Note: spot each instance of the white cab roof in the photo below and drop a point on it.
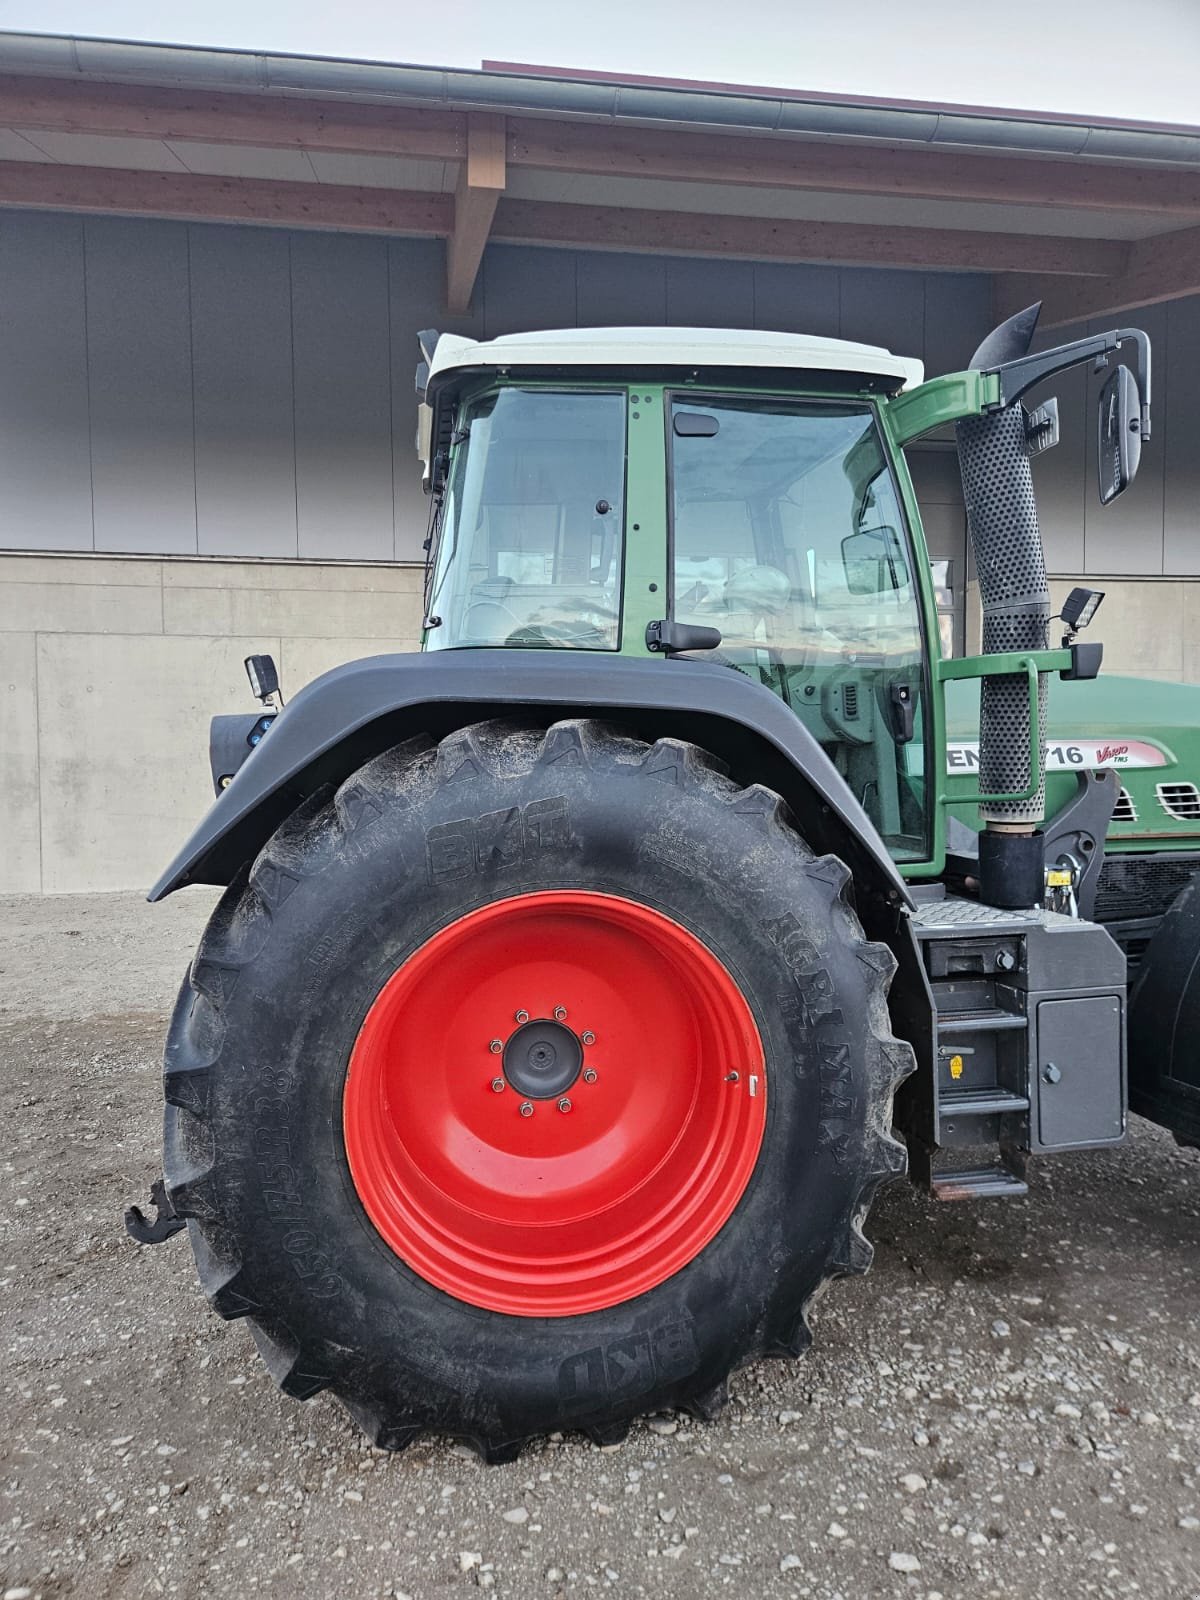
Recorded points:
(672, 347)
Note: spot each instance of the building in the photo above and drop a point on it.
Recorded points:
(212, 269)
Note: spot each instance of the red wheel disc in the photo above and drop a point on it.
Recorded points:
(534, 1198)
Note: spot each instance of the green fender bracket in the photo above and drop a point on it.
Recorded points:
(1029, 664)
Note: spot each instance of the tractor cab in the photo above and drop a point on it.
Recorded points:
(741, 494)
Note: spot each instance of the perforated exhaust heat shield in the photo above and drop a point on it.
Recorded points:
(993, 456)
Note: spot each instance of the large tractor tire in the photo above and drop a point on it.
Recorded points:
(533, 1080)
(1164, 1023)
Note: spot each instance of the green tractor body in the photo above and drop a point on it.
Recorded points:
(587, 972)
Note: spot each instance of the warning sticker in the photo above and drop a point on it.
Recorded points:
(962, 755)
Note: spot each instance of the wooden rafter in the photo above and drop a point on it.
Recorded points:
(1165, 267)
(772, 239)
(189, 196)
(820, 165)
(481, 181)
(270, 122)
(371, 210)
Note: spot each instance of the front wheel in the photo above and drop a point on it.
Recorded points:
(534, 1080)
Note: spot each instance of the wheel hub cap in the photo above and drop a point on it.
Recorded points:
(543, 1059)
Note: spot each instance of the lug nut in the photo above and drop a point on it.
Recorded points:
(590, 1075)
(560, 1013)
(522, 1016)
(526, 1108)
(588, 1036)
(496, 1046)
(564, 1104)
(497, 1085)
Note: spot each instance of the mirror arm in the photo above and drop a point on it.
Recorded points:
(1016, 378)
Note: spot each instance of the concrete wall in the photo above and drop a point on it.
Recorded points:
(1150, 627)
(109, 672)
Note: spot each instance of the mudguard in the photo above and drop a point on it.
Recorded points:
(351, 714)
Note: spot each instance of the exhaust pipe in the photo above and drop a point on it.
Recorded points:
(994, 460)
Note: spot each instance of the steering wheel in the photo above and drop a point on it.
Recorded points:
(563, 633)
(498, 612)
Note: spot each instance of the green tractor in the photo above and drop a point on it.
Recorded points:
(579, 979)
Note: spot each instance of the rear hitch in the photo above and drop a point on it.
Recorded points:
(165, 1222)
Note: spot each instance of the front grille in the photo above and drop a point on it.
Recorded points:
(1141, 886)
(1124, 810)
(1180, 800)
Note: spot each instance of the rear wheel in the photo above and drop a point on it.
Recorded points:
(534, 1080)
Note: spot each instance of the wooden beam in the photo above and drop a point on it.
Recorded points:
(548, 222)
(270, 121)
(192, 197)
(1165, 267)
(293, 122)
(824, 166)
(481, 181)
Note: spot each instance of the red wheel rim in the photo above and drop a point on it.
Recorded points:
(595, 1192)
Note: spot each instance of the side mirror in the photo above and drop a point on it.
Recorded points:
(873, 560)
(1120, 434)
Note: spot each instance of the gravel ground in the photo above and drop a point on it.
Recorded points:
(1008, 1406)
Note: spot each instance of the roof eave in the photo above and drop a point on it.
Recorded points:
(584, 97)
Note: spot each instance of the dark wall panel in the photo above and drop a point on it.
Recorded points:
(709, 294)
(789, 299)
(525, 288)
(1175, 409)
(620, 291)
(140, 386)
(242, 375)
(1058, 475)
(343, 402)
(1126, 537)
(45, 450)
(886, 308)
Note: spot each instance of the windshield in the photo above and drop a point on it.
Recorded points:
(530, 546)
(788, 536)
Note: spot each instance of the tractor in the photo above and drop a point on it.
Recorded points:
(579, 978)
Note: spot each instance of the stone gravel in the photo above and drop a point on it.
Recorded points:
(1008, 1406)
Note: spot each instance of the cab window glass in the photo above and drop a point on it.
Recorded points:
(789, 537)
(531, 545)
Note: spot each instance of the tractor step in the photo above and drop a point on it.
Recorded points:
(990, 1020)
(978, 1183)
(982, 1103)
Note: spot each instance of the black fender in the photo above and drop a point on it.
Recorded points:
(355, 712)
(1164, 1022)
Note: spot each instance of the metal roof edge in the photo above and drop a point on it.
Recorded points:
(577, 95)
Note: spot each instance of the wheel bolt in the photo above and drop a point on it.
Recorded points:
(564, 1104)
(588, 1036)
(497, 1085)
(590, 1075)
(522, 1016)
(560, 1013)
(526, 1108)
(496, 1046)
